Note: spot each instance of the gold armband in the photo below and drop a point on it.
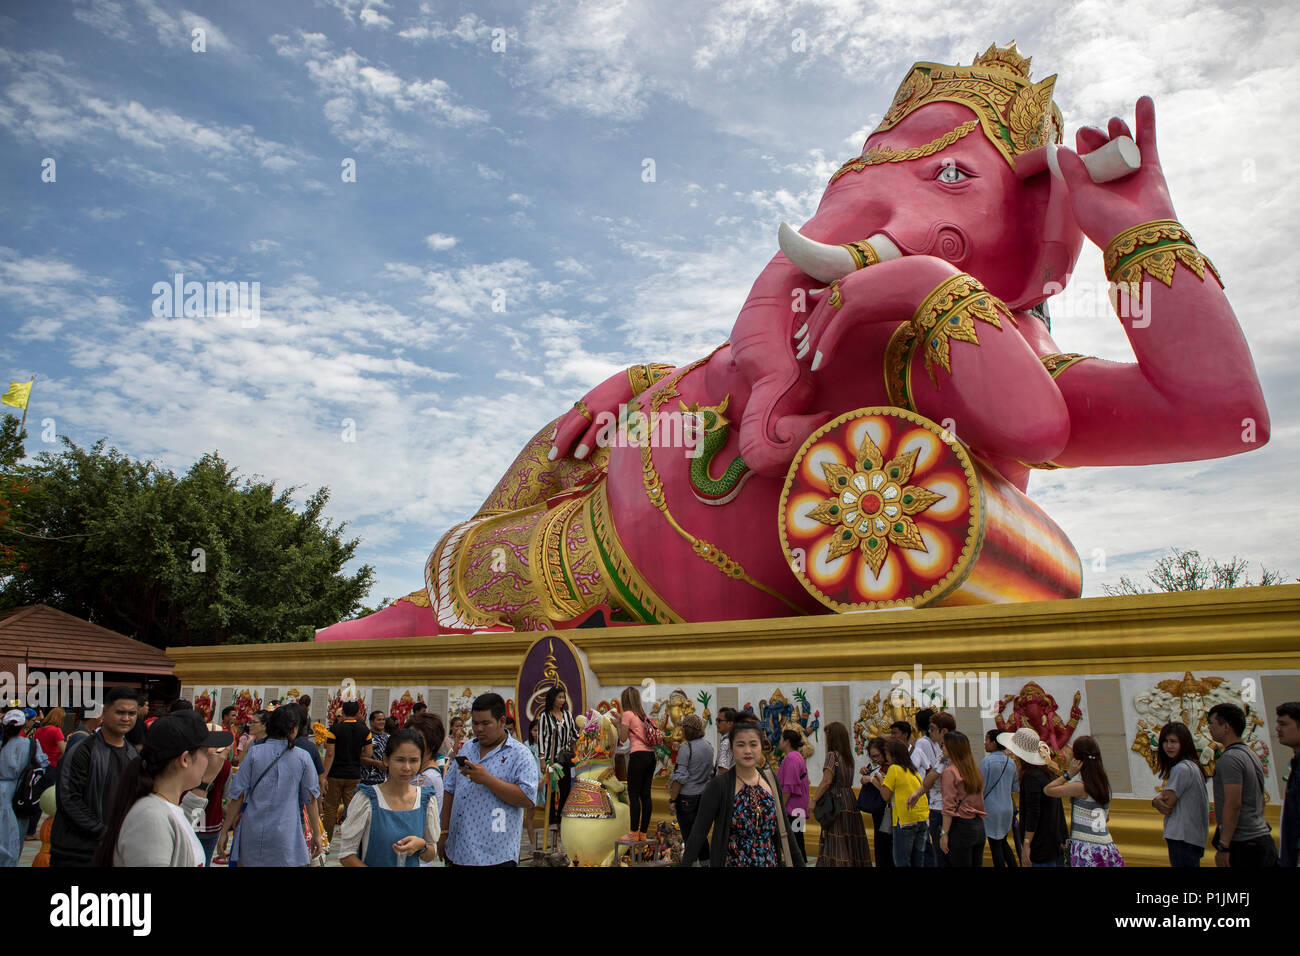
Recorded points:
(862, 253)
(949, 312)
(1058, 362)
(641, 377)
(1154, 248)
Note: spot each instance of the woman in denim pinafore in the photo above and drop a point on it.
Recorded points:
(394, 823)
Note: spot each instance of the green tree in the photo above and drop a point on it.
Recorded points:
(12, 487)
(200, 558)
(1188, 571)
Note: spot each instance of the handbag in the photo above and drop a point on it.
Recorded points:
(869, 800)
(831, 803)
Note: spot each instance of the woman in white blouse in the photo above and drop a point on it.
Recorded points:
(395, 823)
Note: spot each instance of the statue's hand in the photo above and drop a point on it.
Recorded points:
(889, 292)
(1103, 210)
(575, 427)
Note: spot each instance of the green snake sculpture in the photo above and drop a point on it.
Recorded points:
(716, 427)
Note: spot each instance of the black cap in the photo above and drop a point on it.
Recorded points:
(174, 734)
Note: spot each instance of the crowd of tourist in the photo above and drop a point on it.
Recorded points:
(173, 790)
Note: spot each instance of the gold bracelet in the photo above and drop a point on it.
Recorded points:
(1154, 248)
(1058, 362)
(949, 312)
(862, 253)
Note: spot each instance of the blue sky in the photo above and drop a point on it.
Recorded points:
(519, 169)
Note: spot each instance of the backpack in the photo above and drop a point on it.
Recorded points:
(33, 782)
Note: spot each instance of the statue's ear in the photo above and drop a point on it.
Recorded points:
(1058, 251)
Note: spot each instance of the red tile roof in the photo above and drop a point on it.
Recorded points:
(47, 639)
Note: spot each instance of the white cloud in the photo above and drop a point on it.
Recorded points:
(100, 214)
(365, 101)
(53, 106)
(439, 242)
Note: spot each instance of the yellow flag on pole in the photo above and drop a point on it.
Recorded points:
(18, 394)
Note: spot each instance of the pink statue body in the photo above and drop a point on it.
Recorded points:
(890, 347)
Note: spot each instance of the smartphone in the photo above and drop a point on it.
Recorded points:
(461, 761)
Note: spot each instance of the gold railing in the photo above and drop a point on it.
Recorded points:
(1240, 628)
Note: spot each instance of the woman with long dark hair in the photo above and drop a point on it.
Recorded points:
(633, 725)
(1088, 788)
(909, 824)
(741, 811)
(557, 734)
(151, 821)
(962, 785)
(394, 823)
(844, 842)
(1184, 800)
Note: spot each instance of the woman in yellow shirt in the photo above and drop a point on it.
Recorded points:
(910, 824)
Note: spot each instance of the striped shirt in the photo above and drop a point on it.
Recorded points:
(1088, 820)
(555, 736)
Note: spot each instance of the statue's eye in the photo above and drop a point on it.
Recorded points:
(952, 174)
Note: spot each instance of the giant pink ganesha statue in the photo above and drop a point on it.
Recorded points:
(869, 444)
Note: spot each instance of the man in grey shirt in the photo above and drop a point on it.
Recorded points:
(1244, 838)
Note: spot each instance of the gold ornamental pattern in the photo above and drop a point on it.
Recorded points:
(1155, 249)
(1016, 114)
(949, 313)
(883, 154)
(872, 505)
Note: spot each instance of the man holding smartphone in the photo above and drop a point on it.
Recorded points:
(492, 781)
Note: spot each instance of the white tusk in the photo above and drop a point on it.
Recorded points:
(827, 263)
(884, 247)
(824, 263)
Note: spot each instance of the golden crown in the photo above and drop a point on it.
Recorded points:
(1016, 114)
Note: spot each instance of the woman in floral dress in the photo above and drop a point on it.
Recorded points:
(741, 812)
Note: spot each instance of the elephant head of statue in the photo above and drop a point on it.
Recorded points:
(957, 171)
